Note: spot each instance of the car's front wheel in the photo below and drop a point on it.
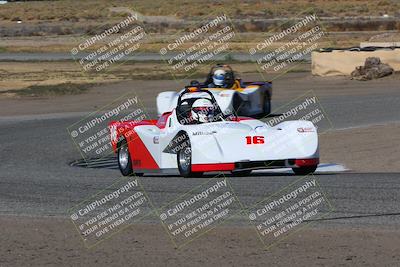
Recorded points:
(304, 170)
(124, 159)
(184, 160)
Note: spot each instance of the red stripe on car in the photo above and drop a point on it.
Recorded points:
(213, 167)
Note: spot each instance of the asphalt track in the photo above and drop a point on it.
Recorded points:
(7, 56)
(36, 178)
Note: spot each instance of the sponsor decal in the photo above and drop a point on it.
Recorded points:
(305, 130)
(204, 133)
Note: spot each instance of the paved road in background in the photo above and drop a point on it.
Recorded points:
(8, 56)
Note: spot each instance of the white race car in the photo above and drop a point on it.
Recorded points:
(178, 142)
(245, 98)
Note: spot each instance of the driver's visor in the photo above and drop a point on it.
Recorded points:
(219, 76)
(202, 108)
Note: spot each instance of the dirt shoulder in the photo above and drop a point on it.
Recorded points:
(367, 149)
(52, 241)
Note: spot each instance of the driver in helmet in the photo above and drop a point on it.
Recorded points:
(218, 79)
(223, 78)
(202, 111)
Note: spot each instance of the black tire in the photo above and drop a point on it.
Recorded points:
(304, 170)
(124, 159)
(267, 104)
(184, 161)
(241, 173)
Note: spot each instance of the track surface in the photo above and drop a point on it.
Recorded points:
(35, 178)
(238, 56)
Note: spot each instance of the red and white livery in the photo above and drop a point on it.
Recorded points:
(178, 143)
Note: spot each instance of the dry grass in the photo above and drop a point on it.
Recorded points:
(45, 23)
(20, 75)
(70, 10)
(242, 43)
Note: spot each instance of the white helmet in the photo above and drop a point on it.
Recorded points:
(202, 110)
(219, 77)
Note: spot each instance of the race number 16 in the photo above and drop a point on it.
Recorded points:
(253, 140)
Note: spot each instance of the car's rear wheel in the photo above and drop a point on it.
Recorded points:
(124, 159)
(184, 160)
(304, 170)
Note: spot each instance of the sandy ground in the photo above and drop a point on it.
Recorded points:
(367, 149)
(30, 241)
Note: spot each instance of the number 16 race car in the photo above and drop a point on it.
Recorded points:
(197, 137)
